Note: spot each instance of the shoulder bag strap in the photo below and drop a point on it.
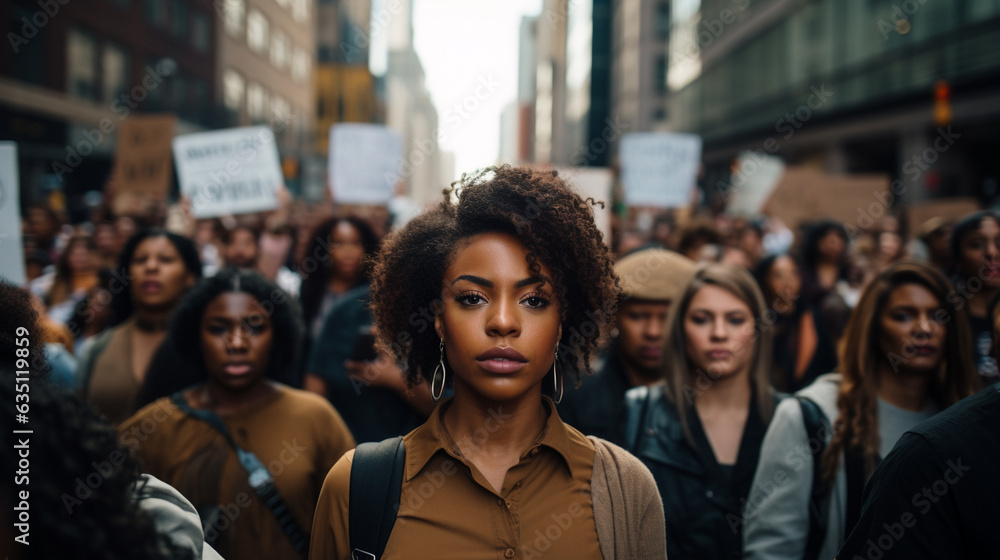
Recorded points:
(260, 479)
(376, 485)
(817, 425)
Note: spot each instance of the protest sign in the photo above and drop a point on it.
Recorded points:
(753, 179)
(805, 194)
(11, 248)
(141, 174)
(365, 162)
(950, 210)
(233, 171)
(659, 169)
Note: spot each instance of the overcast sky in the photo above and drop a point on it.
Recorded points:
(469, 50)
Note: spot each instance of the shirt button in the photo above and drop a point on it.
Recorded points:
(509, 553)
(709, 493)
(533, 453)
(500, 502)
(508, 503)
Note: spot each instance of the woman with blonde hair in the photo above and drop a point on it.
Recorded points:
(700, 433)
(904, 357)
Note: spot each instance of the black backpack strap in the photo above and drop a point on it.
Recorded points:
(376, 485)
(259, 477)
(817, 427)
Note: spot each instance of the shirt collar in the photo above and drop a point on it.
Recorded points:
(431, 437)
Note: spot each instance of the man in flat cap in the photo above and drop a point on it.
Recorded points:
(650, 280)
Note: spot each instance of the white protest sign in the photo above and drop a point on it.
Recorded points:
(364, 163)
(753, 180)
(596, 183)
(659, 169)
(11, 249)
(233, 171)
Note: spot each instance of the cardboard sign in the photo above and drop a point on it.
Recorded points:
(233, 171)
(754, 178)
(807, 194)
(951, 210)
(142, 168)
(659, 169)
(366, 163)
(11, 247)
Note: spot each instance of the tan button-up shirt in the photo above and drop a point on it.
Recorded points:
(449, 510)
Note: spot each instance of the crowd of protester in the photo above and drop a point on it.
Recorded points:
(760, 374)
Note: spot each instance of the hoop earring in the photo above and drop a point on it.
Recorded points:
(557, 380)
(436, 395)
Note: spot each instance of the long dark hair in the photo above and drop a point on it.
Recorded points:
(62, 284)
(184, 338)
(857, 422)
(314, 266)
(967, 225)
(121, 285)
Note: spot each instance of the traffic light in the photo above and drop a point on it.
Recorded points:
(942, 103)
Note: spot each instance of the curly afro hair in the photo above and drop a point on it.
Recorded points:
(81, 481)
(537, 207)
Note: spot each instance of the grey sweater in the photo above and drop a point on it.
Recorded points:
(777, 511)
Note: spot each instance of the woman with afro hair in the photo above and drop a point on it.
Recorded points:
(500, 293)
(239, 334)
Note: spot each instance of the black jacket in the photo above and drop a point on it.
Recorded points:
(703, 501)
(597, 406)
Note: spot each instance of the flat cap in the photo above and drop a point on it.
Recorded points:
(654, 274)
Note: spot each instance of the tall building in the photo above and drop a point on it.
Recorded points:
(409, 108)
(345, 87)
(266, 66)
(550, 82)
(910, 89)
(640, 38)
(73, 71)
(590, 128)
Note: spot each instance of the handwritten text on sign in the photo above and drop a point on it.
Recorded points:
(234, 171)
(659, 168)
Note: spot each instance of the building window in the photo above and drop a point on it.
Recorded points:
(660, 74)
(300, 66)
(663, 20)
(115, 77)
(281, 109)
(257, 103)
(155, 12)
(81, 70)
(29, 64)
(201, 32)
(179, 19)
(300, 10)
(257, 32)
(234, 10)
(280, 50)
(232, 90)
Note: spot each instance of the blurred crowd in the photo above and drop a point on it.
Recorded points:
(125, 303)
